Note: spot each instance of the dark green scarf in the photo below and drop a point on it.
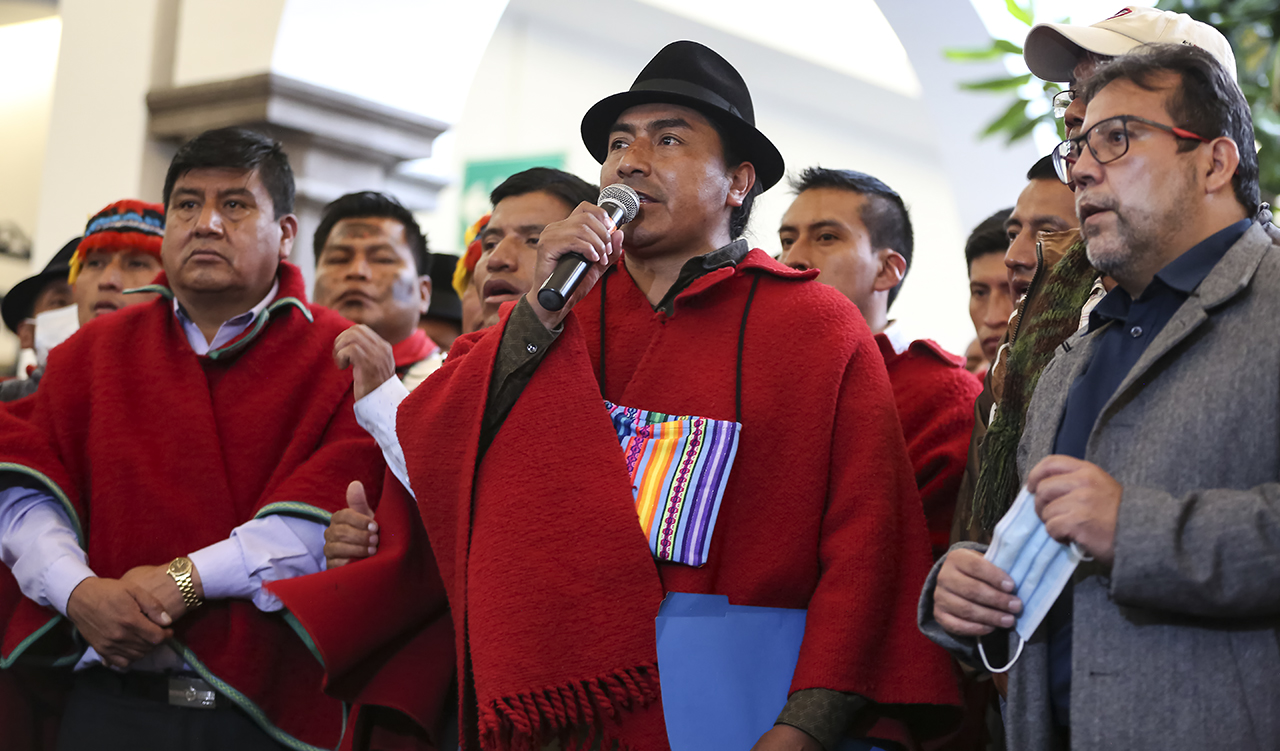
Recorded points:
(1050, 315)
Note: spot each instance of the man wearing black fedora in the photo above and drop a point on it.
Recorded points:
(38, 293)
(698, 418)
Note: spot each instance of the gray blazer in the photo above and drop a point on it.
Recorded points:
(1177, 645)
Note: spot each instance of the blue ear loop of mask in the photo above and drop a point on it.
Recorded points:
(1039, 565)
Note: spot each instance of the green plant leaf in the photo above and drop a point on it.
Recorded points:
(1017, 11)
(1007, 47)
(966, 56)
(1023, 130)
(1251, 26)
(1005, 83)
(1011, 118)
(997, 49)
(1275, 78)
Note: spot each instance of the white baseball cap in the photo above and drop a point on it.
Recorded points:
(1053, 50)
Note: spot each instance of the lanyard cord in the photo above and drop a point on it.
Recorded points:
(742, 337)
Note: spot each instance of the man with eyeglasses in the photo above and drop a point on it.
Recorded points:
(1067, 287)
(1152, 442)
(1069, 54)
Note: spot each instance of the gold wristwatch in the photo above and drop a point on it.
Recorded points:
(180, 570)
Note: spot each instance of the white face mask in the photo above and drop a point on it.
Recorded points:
(53, 327)
(1039, 565)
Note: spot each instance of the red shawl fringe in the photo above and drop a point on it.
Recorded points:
(576, 712)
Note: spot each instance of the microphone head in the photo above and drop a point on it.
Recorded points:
(623, 196)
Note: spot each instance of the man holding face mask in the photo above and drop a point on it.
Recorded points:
(1066, 286)
(1137, 458)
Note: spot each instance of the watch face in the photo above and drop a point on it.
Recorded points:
(180, 566)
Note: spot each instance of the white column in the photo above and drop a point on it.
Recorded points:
(110, 56)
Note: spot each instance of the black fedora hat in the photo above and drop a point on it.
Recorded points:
(21, 300)
(445, 302)
(691, 75)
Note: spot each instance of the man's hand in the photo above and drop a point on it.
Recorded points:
(587, 232)
(786, 738)
(973, 597)
(1079, 502)
(352, 532)
(367, 354)
(118, 620)
(156, 582)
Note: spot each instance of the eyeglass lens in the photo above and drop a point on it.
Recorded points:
(1108, 140)
(1061, 165)
(1061, 101)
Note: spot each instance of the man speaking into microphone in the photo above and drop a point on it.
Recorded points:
(556, 535)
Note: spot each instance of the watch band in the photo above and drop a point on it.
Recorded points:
(180, 572)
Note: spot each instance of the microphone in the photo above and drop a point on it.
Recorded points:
(622, 204)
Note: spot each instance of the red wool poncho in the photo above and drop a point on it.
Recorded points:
(156, 452)
(551, 582)
(934, 395)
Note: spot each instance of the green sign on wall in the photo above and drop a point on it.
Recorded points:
(480, 177)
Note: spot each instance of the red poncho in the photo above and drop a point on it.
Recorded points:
(552, 585)
(934, 395)
(412, 349)
(390, 643)
(157, 452)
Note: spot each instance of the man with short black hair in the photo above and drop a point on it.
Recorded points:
(1166, 482)
(856, 232)
(523, 205)
(990, 297)
(180, 455)
(1045, 205)
(372, 267)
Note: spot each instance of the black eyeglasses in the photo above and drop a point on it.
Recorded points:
(1061, 101)
(1108, 141)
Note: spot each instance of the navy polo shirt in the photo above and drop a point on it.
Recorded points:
(1133, 326)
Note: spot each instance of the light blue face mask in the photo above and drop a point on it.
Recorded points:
(1039, 565)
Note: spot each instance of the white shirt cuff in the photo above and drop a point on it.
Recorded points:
(61, 579)
(376, 413)
(36, 534)
(222, 571)
(259, 551)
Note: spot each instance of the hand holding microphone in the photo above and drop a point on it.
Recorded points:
(621, 204)
(579, 248)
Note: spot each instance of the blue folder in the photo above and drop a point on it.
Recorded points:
(725, 671)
